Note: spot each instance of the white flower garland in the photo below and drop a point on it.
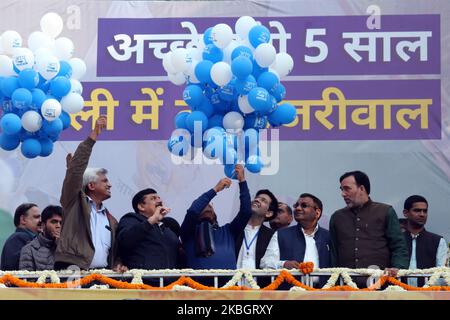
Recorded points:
(294, 289)
(99, 287)
(182, 288)
(394, 288)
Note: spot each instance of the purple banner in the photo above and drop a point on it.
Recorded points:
(339, 45)
(327, 110)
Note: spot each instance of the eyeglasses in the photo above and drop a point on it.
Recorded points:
(303, 205)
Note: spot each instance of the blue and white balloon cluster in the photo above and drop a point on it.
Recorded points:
(233, 90)
(39, 88)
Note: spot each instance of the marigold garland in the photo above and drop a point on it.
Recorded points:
(284, 276)
(306, 267)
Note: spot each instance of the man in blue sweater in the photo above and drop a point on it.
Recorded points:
(223, 255)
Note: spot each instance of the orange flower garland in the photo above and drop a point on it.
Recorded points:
(284, 276)
(306, 267)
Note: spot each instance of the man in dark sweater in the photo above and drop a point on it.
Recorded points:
(144, 242)
(26, 219)
(426, 249)
(39, 254)
(223, 237)
(366, 233)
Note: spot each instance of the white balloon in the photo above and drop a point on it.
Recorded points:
(265, 54)
(177, 79)
(41, 54)
(222, 35)
(76, 86)
(72, 103)
(283, 64)
(181, 59)
(48, 67)
(38, 39)
(1, 46)
(64, 48)
(78, 68)
(244, 106)
(233, 121)
(229, 50)
(167, 63)
(31, 121)
(221, 73)
(23, 58)
(243, 26)
(6, 66)
(51, 109)
(195, 53)
(51, 24)
(11, 39)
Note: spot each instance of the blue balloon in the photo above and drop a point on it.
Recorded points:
(52, 128)
(283, 114)
(215, 121)
(180, 120)
(279, 92)
(268, 80)
(207, 36)
(31, 148)
(220, 106)
(54, 137)
(228, 155)
(60, 86)
(258, 34)
(46, 147)
(212, 53)
(206, 107)
(253, 164)
(9, 85)
(11, 123)
(65, 69)
(21, 98)
(65, 119)
(252, 120)
(28, 78)
(244, 86)
(195, 117)
(38, 97)
(241, 67)
(258, 70)
(203, 71)
(242, 51)
(229, 171)
(251, 142)
(260, 100)
(178, 145)
(44, 84)
(193, 95)
(228, 92)
(9, 142)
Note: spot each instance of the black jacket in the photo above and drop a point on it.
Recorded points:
(146, 246)
(12, 247)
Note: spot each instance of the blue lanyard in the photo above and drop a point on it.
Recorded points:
(248, 245)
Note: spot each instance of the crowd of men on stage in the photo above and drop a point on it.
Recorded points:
(82, 231)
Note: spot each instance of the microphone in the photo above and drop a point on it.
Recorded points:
(108, 228)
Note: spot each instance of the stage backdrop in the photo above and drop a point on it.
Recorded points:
(370, 84)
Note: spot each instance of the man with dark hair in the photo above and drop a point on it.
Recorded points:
(208, 245)
(26, 219)
(88, 233)
(253, 241)
(426, 249)
(39, 253)
(144, 242)
(366, 233)
(283, 217)
(305, 242)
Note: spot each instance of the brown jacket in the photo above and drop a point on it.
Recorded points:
(75, 245)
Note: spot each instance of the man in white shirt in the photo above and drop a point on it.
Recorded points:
(305, 242)
(426, 249)
(253, 242)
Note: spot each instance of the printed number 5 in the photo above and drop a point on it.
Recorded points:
(311, 43)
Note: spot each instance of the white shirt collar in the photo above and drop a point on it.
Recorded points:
(94, 205)
(313, 233)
